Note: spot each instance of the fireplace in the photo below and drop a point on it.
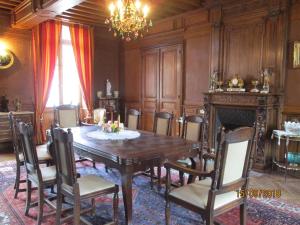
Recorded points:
(233, 110)
(231, 118)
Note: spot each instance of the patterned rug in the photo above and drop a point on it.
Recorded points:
(148, 204)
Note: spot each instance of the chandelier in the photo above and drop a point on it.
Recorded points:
(128, 19)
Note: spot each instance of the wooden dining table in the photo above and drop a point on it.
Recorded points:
(131, 156)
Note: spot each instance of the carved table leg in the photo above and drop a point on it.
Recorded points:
(127, 195)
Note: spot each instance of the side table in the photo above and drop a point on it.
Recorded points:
(288, 137)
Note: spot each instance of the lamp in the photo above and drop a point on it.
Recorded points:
(6, 57)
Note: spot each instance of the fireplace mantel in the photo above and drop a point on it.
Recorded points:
(266, 108)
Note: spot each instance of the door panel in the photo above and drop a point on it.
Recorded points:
(171, 81)
(161, 82)
(150, 84)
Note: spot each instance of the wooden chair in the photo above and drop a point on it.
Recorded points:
(162, 126)
(163, 123)
(42, 153)
(41, 177)
(132, 119)
(192, 129)
(66, 116)
(77, 189)
(217, 193)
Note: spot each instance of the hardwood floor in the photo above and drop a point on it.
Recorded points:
(269, 180)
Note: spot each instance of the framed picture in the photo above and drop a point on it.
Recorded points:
(296, 54)
(6, 59)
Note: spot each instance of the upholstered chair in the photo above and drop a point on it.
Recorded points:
(219, 192)
(192, 130)
(66, 116)
(77, 189)
(162, 126)
(43, 154)
(42, 177)
(132, 119)
(163, 123)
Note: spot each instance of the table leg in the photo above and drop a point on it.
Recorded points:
(127, 196)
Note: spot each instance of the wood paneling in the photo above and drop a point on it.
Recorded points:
(292, 90)
(150, 86)
(17, 81)
(106, 61)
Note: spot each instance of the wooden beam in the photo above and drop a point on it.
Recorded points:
(29, 15)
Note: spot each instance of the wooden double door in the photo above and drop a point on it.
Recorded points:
(161, 83)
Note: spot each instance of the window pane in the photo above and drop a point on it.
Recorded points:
(71, 84)
(53, 99)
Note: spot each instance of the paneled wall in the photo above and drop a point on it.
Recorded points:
(235, 37)
(17, 81)
(193, 32)
(292, 85)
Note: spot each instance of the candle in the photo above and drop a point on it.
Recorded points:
(119, 119)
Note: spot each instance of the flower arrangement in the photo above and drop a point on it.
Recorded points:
(110, 127)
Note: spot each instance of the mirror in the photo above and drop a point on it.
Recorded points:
(6, 59)
(296, 54)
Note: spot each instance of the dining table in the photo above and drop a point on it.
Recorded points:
(130, 155)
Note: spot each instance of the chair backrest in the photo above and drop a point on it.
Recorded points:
(29, 147)
(15, 134)
(193, 127)
(65, 161)
(234, 159)
(67, 116)
(99, 115)
(163, 123)
(132, 119)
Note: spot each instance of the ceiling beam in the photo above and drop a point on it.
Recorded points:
(34, 12)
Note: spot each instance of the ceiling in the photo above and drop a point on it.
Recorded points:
(8, 5)
(95, 11)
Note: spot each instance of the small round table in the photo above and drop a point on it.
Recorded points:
(288, 137)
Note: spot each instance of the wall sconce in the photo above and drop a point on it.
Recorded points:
(6, 57)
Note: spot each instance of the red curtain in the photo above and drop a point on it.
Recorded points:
(45, 47)
(83, 45)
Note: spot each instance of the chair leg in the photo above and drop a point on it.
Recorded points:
(40, 204)
(181, 177)
(167, 212)
(115, 207)
(93, 212)
(209, 220)
(17, 182)
(243, 214)
(159, 176)
(58, 206)
(94, 164)
(28, 197)
(151, 176)
(76, 212)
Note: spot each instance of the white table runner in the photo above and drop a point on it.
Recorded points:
(121, 135)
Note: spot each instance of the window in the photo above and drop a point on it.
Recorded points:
(65, 87)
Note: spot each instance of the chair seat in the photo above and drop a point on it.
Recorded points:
(186, 162)
(91, 184)
(48, 173)
(197, 194)
(42, 153)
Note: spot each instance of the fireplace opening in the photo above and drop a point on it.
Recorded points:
(232, 118)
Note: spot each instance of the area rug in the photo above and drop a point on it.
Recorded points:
(148, 204)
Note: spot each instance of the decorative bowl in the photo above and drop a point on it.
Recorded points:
(292, 127)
